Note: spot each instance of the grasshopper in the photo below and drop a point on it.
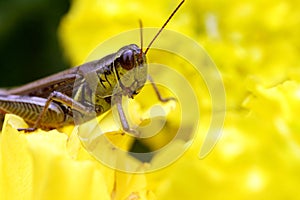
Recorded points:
(47, 103)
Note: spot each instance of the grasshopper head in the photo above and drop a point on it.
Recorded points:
(131, 69)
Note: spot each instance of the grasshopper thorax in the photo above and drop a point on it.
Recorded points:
(130, 68)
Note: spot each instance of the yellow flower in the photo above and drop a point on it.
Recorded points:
(255, 44)
(37, 166)
(257, 156)
(41, 166)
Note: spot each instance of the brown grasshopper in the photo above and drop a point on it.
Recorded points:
(48, 103)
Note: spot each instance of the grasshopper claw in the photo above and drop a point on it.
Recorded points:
(27, 130)
(134, 132)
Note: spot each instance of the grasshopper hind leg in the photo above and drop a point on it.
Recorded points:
(1, 120)
(58, 97)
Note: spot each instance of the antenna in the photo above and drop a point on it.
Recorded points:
(157, 34)
(141, 35)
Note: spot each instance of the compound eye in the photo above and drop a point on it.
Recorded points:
(127, 60)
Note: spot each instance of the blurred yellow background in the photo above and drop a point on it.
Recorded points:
(255, 45)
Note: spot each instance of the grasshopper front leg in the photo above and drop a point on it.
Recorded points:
(159, 96)
(122, 116)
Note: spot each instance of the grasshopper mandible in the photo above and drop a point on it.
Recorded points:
(47, 103)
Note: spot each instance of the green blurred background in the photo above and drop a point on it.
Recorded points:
(29, 46)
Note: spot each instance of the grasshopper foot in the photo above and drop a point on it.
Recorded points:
(27, 130)
(133, 132)
(167, 99)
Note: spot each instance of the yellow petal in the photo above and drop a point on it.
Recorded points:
(17, 167)
(38, 166)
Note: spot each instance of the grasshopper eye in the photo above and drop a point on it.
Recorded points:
(127, 60)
